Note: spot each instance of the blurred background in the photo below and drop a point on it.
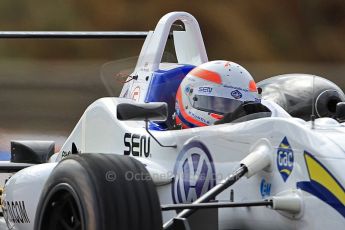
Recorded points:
(45, 85)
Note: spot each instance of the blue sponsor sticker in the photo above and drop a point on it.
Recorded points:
(236, 94)
(187, 89)
(285, 159)
(265, 188)
(194, 173)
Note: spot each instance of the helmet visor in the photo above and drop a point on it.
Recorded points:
(212, 104)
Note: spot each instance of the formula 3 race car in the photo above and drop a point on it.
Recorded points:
(123, 168)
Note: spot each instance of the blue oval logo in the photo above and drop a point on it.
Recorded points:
(236, 94)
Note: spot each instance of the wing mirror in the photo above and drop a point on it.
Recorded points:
(153, 111)
(340, 111)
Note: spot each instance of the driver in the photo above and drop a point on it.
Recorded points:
(210, 91)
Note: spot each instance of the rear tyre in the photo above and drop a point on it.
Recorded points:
(99, 192)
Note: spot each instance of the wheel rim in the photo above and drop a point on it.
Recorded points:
(62, 210)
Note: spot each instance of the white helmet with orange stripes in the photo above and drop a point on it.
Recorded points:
(211, 90)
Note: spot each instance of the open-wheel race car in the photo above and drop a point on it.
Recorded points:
(124, 166)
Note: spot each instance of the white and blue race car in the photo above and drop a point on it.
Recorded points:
(123, 167)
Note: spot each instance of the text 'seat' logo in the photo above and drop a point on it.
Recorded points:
(194, 173)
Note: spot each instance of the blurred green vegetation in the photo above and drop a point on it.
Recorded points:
(267, 30)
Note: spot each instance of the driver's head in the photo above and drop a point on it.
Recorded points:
(211, 90)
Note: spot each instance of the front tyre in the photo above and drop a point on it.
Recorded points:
(99, 192)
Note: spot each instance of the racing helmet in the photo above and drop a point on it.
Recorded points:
(211, 90)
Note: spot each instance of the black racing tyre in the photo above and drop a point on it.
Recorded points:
(99, 192)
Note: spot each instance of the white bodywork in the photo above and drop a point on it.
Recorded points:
(295, 147)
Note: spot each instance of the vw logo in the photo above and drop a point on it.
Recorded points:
(194, 173)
